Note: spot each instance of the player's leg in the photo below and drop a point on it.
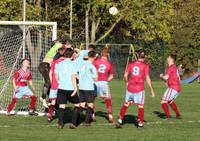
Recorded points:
(175, 108)
(11, 106)
(124, 107)
(44, 69)
(139, 99)
(164, 102)
(52, 98)
(62, 100)
(89, 98)
(172, 103)
(76, 112)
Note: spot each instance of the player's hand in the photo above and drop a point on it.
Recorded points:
(161, 75)
(74, 93)
(152, 93)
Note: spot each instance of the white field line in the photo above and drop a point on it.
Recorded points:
(104, 124)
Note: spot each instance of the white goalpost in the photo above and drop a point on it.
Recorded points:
(18, 40)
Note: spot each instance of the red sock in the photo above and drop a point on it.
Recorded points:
(12, 104)
(174, 107)
(165, 109)
(50, 111)
(140, 115)
(123, 111)
(33, 102)
(109, 105)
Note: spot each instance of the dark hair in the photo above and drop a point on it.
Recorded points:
(91, 47)
(140, 54)
(68, 53)
(24, 60)
(173, 56)
(92, 54)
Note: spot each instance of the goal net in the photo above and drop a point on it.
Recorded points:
(20, 40)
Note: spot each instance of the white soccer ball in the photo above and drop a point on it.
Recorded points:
(113, 10)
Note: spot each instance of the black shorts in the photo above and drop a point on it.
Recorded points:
(63, 96)
(86, 96)
(44, 69)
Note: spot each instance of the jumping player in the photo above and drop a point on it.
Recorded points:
(44, 69)
(105, 75)
(137, 71)
(173, 82)
(66, 74)
(54, 85)
(87, 75)
(21, 90)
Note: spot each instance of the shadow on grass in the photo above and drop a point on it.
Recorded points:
(159, 114)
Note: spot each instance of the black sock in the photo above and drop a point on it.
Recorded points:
(89, 112)
(61, 113)
(76, 116)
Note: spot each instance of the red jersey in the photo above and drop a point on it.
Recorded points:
(174, 78)
(21, 77)
(104, 68)
(54, 83)
(138, 70)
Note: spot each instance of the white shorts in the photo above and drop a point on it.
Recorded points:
(53, 94)
(137, 98)
(22, 91)
(103, 89)
(170, 94)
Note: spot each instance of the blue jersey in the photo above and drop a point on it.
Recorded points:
(87, 73)
(64, 70)
(83, 54)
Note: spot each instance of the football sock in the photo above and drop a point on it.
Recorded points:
(109, 105)
(61, 113)
(165, 109)
(33, 102)
(140, 115)
(76, 116)
(175, 108)
(50, 111)
(88, 117)
(123, 111)
(12, 104)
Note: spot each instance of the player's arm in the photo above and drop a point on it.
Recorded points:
(14, 84)
(126, 76)
(111, 76)
(164, 77)
(74, 82)
(50, 75)
(148, 80)
(94, 73)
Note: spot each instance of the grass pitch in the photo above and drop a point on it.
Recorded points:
(20, 128)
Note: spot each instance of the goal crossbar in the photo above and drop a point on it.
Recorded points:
(53, 24)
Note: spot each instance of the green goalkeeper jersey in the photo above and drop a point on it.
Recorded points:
(52, 52)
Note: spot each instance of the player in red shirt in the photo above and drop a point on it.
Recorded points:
(54, 85)
(105, 72)
(135, 75)
(21, 89)
(174, 87)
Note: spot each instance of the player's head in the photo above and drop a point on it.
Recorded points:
(171, 58)
(25, 63)
(68, 53)
(141, 54)
(92, 55)
(105, 52)
(91, 47)
(61, 51)
(67, 44)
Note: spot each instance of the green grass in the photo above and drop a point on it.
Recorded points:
(155, 129)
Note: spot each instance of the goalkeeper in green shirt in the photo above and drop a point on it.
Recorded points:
(44, 69)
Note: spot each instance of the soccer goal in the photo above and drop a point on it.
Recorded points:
(20, 40)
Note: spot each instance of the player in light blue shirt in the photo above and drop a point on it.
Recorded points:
(66, 74)
(87, 76)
